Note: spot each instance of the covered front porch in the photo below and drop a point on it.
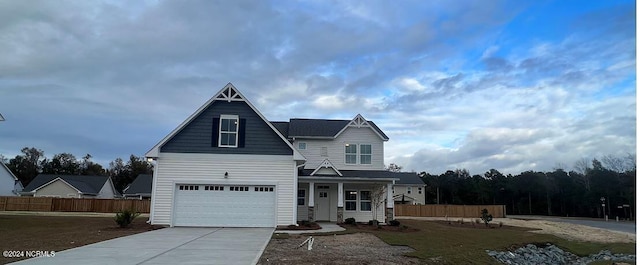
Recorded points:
(336, 198)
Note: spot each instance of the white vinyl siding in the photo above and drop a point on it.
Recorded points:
(186, 168)
(107, 191)
(335, 150)
(365, 215)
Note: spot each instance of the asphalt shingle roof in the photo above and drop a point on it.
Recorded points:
(315, 127)
(85, 184)
(141, 185)
(405, 177)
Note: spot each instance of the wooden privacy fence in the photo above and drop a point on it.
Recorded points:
(44, 204)
(443, 210)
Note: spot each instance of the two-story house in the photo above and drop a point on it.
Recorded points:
(227, 165)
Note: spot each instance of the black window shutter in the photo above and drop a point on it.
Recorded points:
(215, 132)
(241, 132)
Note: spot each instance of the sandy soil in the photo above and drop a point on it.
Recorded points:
(563, 230)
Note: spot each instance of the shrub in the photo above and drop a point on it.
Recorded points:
(350, 221)
(125, 217)
(374, 222)
(501, 223)
(486, 217)
(394, 223)
(461, 221)
(477, 221)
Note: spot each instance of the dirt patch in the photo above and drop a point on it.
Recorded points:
(57, 233)
(358, 248)
(562, 230)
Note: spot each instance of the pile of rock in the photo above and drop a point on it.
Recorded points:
(551, 254)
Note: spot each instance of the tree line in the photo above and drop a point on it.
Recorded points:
(32, 161)
(578, 192)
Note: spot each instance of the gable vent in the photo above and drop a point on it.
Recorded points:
(229, 94)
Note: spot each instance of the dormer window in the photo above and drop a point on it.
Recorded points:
(228, 136)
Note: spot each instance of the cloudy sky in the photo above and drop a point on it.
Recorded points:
(510, 85)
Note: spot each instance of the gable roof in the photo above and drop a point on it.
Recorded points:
(324, 129)
(326, 164)
(141, 185)
(227, 93)
(84, 184)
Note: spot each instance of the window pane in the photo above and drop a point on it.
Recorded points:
(365, 195)
(302, 146)
(350, 206)
(301, 193)
(351, 195)
(301, 201)
(233, 125)
(350, 159)
(351, 149)
(365, 159)
(365, 206)
(224, 125)
(365, 149)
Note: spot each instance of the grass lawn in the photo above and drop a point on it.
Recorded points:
(57, 233)
(438, 242)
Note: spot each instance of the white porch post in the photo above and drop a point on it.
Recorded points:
(340, 202)
(389, 196)
(312, 193)
(389, 210)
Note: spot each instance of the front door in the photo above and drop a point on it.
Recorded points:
(322, 202)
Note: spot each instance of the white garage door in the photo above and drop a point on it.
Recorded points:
(224, 205)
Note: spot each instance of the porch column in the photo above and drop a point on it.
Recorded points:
(312, 193)
(389, 210)
(340, 202)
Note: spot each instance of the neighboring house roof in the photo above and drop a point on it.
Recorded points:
(409, 178)
(320, 128)
(84, 184)
(228, 93)
(141, 185)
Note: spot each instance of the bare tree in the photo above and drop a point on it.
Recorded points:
(582, 166)
(378, 193)
(394, 168)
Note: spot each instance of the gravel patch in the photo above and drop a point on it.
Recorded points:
(358, 248)
(551, 254)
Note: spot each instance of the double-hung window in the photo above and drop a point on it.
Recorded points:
(350, 153)
(365, 154)
(365, 200)
(350, 200)
(228, 131)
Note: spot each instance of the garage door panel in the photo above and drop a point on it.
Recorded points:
(227, 206)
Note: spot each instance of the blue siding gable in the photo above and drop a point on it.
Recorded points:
(197, 136)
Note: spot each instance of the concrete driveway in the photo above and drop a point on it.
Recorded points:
(179, 245)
